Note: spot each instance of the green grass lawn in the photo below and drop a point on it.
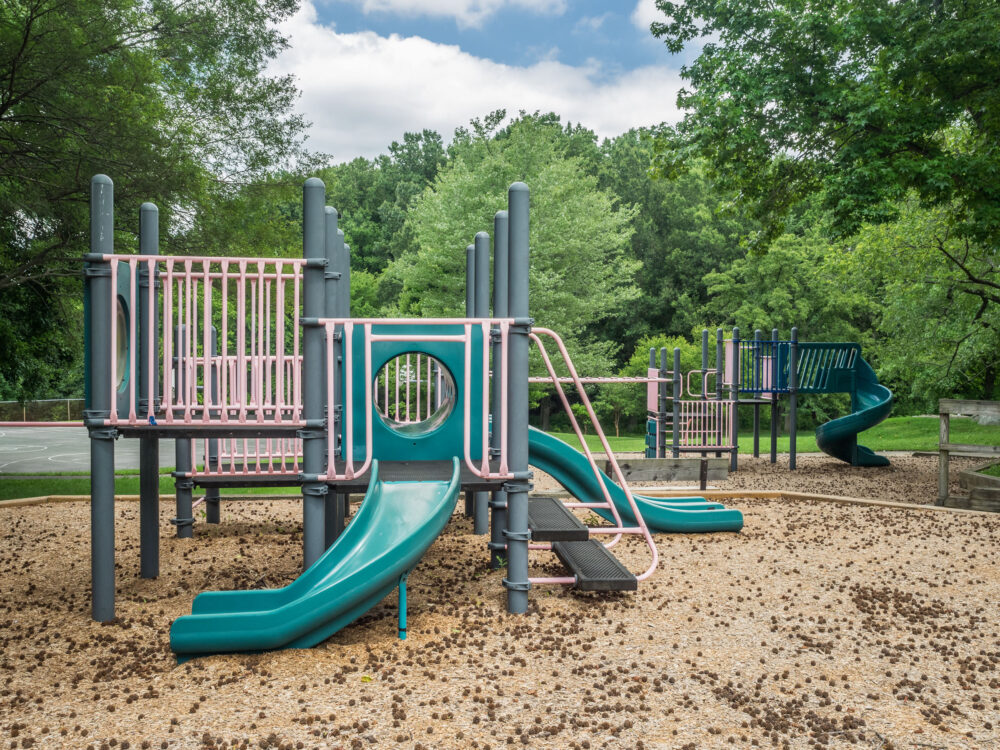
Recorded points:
(894, 434)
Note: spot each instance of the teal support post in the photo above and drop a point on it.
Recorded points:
(481, 309)
(97, 275)
(757, 389)
(402, 606)
(774, 395)
(517, 533)
(149, 447)
(734, 394)
(498, 503)
(793, 395)
(313, 377)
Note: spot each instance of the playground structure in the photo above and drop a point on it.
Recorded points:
(703, 416)
(260, 361)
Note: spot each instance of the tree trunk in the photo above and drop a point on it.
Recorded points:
(545, 405)
(989, 382)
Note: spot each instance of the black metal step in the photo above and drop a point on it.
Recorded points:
(595, 568)
(551, 521)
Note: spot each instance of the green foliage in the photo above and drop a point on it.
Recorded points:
(579, 271)
(864, 99)
(165, 97)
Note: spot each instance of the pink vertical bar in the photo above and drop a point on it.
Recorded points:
(188, 340)
(504, 334)
(296, 369)
(408, 388)
(467, 400)
(168, 339)
(206, 344)
(150, 338)
(418, 387)
(331, 442)
(279, 346)
(261, 351)
(486, 397)
(349, 399)
(224, 344)
(395, 414)
(113, 349)
(132, 314)
(267, 347)
(241, 317)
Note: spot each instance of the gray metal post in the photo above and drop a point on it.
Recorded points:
(734, 394)
(720, 376)
(149, 447)
(517, 533)
(793, 395)
(313, 355)
(704, 372)
(183, 485)
(676, 404)
(774, 395)
(756, 395)
(661, 408)
(345, 311)
(212, 510)
(498, 503)
(656, 419)
(97, 275)
(336, 293)
(481, 309)
(470, 311)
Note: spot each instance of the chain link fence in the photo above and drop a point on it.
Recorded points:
(42, 410)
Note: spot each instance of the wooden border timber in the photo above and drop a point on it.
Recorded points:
(947, 407)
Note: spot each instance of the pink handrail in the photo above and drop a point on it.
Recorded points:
(643, 529)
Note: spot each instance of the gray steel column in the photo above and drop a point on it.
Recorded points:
(212, 510)
(661, 403)
(149, 447)
(756, 395)
(481, 309)
(183, 485)
(313, 356)
(720, 375)
(676, 405)
(734, 393)
(335, 295)
(774, 395)
(517, 533)
(704, 372)
(656, 418)
(498, 503)
(344, 312)
(793, 395)
(97, 275)
(470, 310)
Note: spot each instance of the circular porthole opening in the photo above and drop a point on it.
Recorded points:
(414, 394)
(121, 347)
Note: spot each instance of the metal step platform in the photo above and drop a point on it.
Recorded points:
(551, 521)
(595, 568)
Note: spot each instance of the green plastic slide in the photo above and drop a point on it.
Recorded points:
(573, 471)
(395, 525)
(872, 403)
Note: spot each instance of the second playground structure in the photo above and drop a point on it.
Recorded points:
(256, 369)
(757, 372)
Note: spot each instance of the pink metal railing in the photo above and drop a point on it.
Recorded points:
(347, 325)
(619, 527)
(253, 304)
(251, 457)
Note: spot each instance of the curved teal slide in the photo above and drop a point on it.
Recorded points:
(395, 525)
(573, 471)
(872, 403)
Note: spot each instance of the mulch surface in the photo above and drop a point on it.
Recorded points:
(817, 625)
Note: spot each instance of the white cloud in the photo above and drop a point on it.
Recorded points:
(645, 13)
(465, 12)
(361, 91)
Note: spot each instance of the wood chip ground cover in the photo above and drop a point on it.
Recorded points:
(818, 625)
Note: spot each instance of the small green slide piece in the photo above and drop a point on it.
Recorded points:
(573, 471)
(395, 525)
(872, 403)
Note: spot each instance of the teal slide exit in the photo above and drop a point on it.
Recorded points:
(393, 528)
(871, 402)
(573, 471)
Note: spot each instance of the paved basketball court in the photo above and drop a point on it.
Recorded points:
(28, 450)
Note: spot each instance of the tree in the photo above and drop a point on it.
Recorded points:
(939, 334)
(863, 101)
(579, 271)
(169, 98)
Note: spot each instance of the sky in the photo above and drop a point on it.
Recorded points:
(371, 70)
